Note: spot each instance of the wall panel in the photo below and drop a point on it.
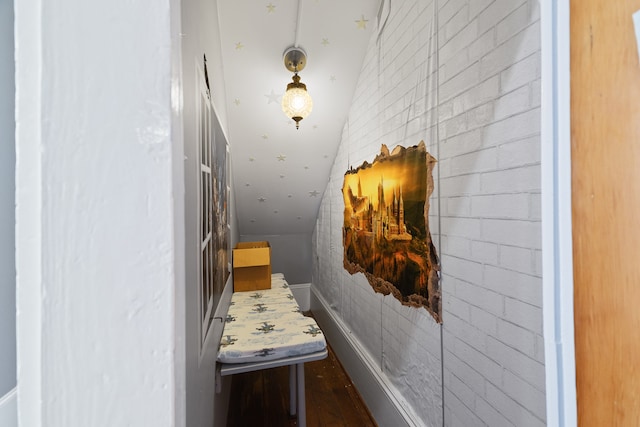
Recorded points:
(463, 76)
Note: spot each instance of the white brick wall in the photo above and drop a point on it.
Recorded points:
(483, 125)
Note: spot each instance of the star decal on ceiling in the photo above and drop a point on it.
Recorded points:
(236, 101)
(252, 220)
(281, 176)
(275, 212)
(325, 42)
(315, 126)
(289, 195)
(265, 136)
(299, 217)
(251, 159)
(326, 156)
(306, 167)
(332, 78)
(271, 8)
(262, 199)
(313, 193)
(362, 23)
(247, 185)
(272, 97)
(281, 158)
(239, 46)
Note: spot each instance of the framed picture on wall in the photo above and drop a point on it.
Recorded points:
(213, 204)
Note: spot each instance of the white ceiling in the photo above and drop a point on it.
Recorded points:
(279, 172)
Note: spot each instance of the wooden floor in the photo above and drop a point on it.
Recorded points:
(261, 398)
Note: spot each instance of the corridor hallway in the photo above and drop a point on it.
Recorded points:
(261, 398)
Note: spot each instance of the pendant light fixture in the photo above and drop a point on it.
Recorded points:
(296, 101)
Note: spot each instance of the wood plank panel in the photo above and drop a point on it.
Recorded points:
(605, 149)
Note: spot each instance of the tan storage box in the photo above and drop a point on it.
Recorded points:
(251, 266)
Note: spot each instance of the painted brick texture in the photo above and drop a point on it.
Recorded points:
(464, 76)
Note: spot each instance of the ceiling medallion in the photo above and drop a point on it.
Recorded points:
(296, 101)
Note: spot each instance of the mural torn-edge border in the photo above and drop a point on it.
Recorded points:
(386, 232)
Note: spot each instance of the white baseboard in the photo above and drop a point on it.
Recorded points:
(9, 409)
(379, 395)
(301, 292)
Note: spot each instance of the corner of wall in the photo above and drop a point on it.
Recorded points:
(9, 409)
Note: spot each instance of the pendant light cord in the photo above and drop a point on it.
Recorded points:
(296, 43)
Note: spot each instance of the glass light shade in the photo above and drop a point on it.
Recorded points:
(296, 102)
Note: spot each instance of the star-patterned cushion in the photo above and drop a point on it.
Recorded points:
(267, 325)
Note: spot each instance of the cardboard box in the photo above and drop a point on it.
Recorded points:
(251, 266)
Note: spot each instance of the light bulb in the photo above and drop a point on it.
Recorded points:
(296, 102)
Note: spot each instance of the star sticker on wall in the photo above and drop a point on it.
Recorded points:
(262, 199)
(281, 158)
(236, 101)
(270, 8)
(239, 46)
(361, 23)
(272, 97)
(324, 42)
(313, 193)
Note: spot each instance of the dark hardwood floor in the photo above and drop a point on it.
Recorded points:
(261, 398)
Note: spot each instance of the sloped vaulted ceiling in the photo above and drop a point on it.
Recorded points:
(280, 173)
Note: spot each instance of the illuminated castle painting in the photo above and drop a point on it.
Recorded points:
(386, 230)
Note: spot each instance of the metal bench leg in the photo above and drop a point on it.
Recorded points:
(302, 410)
(292, 390)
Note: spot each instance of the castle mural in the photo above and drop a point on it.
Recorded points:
(386, 232)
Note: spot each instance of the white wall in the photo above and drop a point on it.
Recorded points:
(96, 226)
(490, 196)
(7, 216)
(480, 117)
(200, 36)
(393, 104)
(290, 255)
(109, 331)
